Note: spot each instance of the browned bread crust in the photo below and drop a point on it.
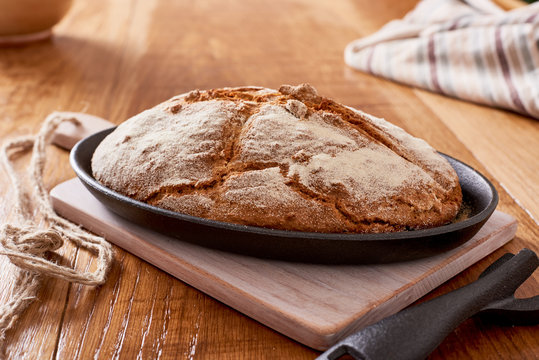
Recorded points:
(287, 159)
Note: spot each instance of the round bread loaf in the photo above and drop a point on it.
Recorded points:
(287, 159)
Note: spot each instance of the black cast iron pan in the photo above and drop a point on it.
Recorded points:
(480, 199)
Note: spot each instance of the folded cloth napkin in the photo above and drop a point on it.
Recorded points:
(469, 49)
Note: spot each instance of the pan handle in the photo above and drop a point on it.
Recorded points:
(415, 332)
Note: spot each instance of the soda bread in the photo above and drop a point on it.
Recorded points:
(287, 159)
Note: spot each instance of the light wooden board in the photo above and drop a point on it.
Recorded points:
(67, 134)
(314, 304)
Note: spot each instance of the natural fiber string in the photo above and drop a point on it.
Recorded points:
(25, 244)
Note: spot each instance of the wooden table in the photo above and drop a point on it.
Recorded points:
(116, 58)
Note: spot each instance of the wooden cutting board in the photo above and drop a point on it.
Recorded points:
(316, 305)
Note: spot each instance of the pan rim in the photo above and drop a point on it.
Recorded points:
(483, 214)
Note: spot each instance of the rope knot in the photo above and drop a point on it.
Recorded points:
(30, 240)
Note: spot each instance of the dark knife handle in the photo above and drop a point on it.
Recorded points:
(415, 332)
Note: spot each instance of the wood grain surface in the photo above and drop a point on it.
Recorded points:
(115, 58)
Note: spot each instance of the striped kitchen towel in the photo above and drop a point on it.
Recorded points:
(468, 49)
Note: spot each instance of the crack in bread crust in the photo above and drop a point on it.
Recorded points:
(317, 103)
(213, 184)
